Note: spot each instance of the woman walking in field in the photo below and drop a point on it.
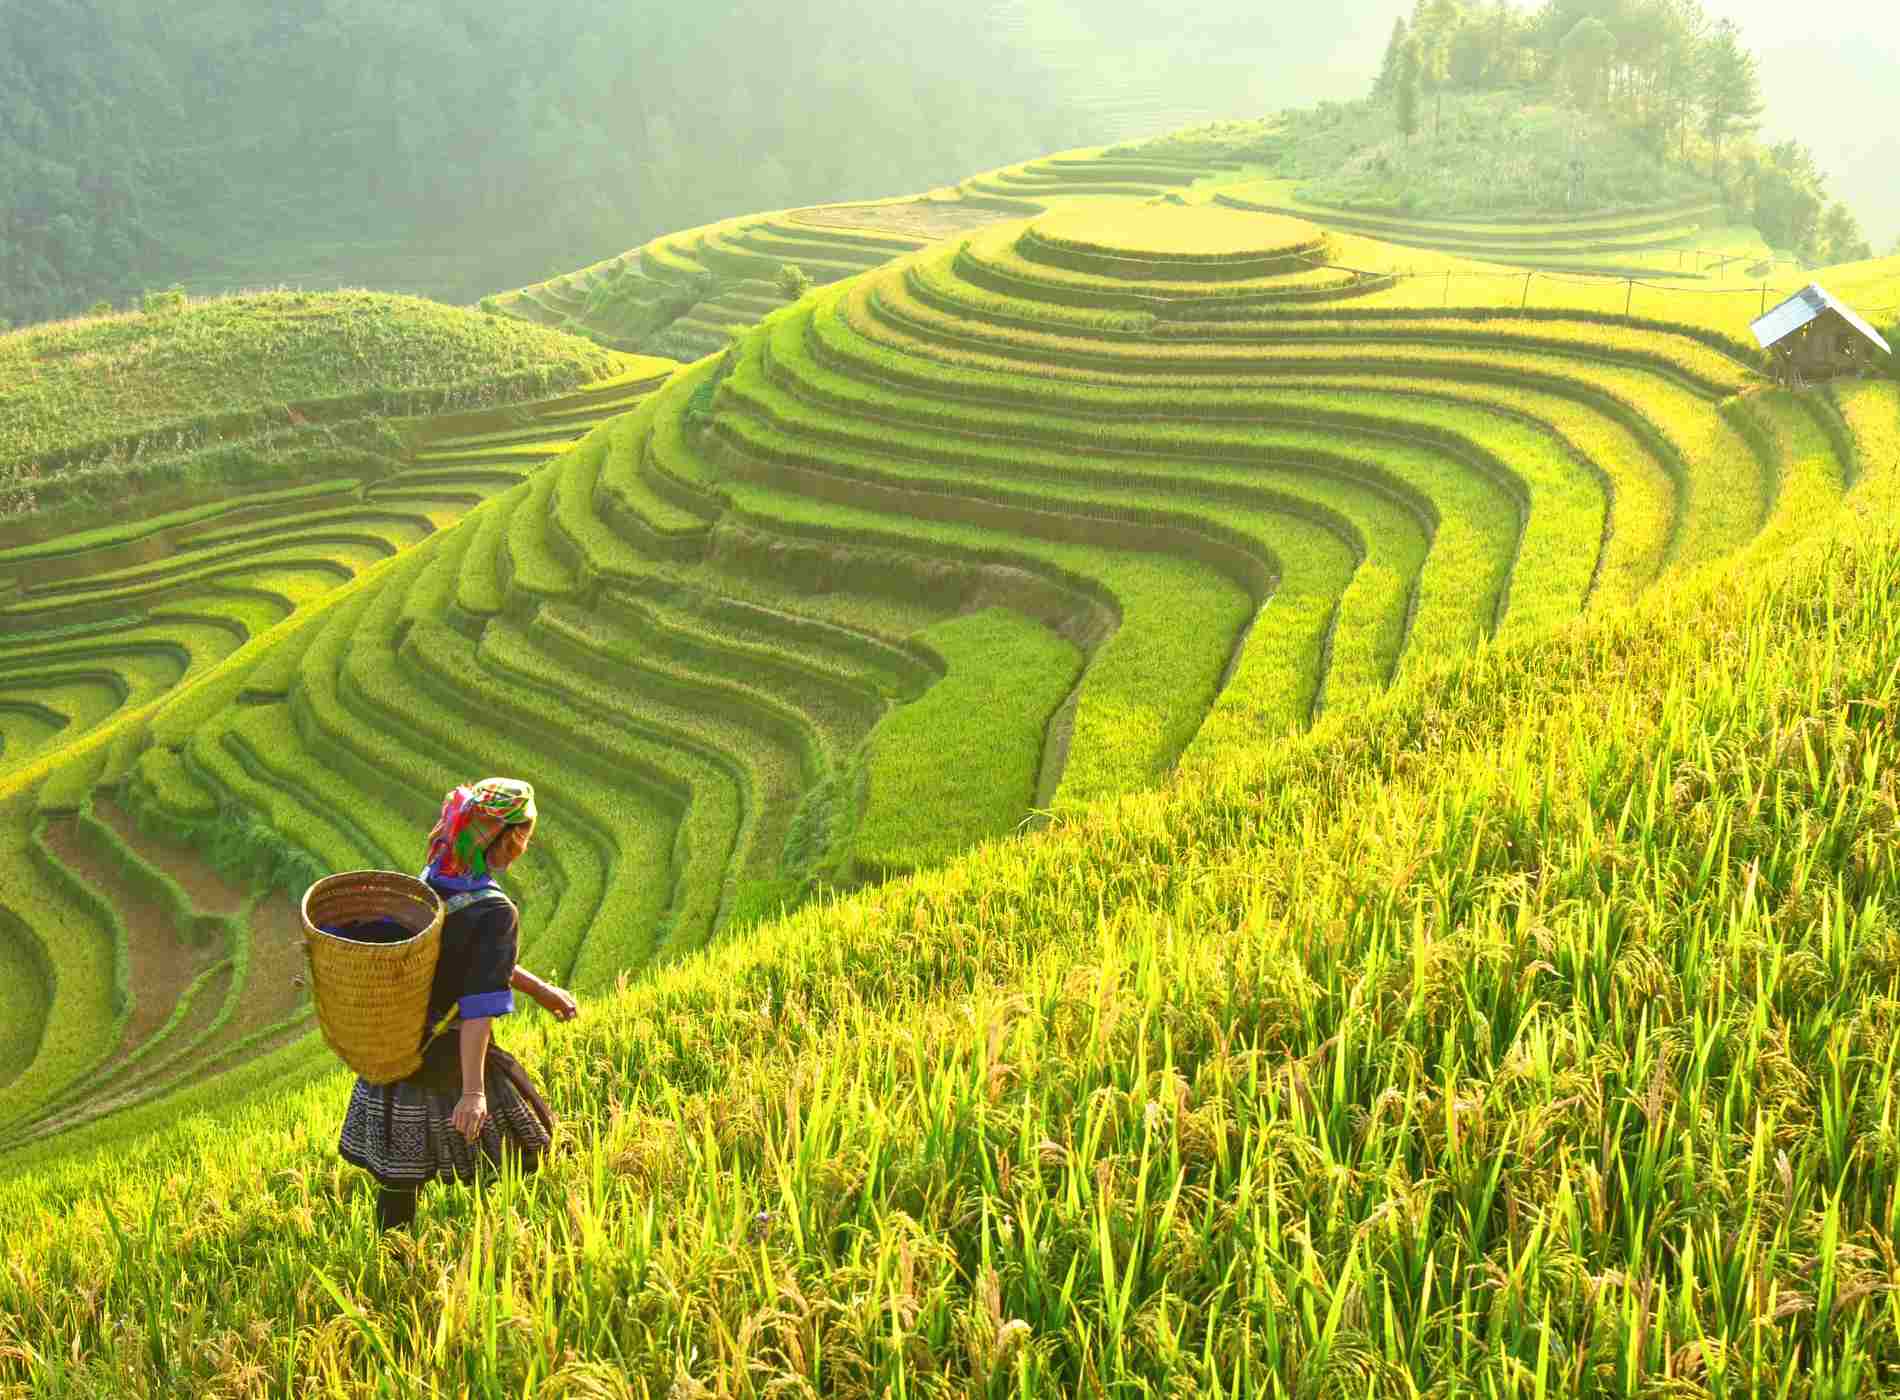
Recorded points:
(471, 1103)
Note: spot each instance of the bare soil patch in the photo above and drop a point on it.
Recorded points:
(275, 988)
(273, 991)
(197, 1020)
(164, 965)
(208, 891)
(139, 1085)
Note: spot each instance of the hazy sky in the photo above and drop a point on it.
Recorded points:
(1831, 75)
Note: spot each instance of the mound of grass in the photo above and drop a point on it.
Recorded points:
(108, 392)
(1171, 233)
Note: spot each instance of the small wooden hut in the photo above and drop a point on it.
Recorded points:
(1813, 335)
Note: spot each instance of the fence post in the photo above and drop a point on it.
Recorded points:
(1629, 295)
(1527, 291)
(1764, 299)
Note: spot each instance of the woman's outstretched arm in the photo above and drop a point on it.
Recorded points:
(559, 1003)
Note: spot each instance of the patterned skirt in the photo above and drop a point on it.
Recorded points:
(402, 1133)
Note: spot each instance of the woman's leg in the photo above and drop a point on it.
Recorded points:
(395, 1207)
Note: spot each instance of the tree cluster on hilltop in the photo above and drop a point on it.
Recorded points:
(1662, 72)
(136, 146)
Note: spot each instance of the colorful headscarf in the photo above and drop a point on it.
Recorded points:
(472, 816)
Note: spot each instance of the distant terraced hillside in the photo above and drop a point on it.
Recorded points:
(1673, 240)
(682, 295)
(187, 391)
(1060, 477)
(686, 295)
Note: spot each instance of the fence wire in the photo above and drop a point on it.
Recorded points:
(1530, 275)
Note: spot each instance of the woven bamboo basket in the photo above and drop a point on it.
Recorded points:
(373, 998)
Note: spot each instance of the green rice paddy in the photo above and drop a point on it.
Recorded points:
(1143, 797)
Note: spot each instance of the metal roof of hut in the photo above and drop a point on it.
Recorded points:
(1810, 303)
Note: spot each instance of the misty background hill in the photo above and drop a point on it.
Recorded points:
(454, 149)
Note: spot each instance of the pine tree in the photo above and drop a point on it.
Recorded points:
(1679, 77)
(1587, 53)
(1385, 88)
(1442, 18)
(1502, 63)
(1731, 91)
(1406, 86)
(1840, 230)
(1470, 56)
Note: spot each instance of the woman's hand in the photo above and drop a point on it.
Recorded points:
(471, 1116)
(556, 1002)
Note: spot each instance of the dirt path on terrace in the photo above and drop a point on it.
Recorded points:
(164, 965)
(209, 892)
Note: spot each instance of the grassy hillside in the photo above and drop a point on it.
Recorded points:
(94, 401)
(1371, 1016)
(1486, 153)
(1529, 1032)
(448, 148)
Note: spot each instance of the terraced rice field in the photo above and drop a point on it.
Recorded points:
(682, 294)
(678, 295)
(136, 966)
(1009, 515)
(1527, 1032)
(1674, 240)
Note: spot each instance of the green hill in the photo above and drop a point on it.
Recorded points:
(447, 148)
(1145, 793)
(97, 405)
(1481, 153)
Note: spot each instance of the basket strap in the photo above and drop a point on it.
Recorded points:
(456, 903)
(449, 1018)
